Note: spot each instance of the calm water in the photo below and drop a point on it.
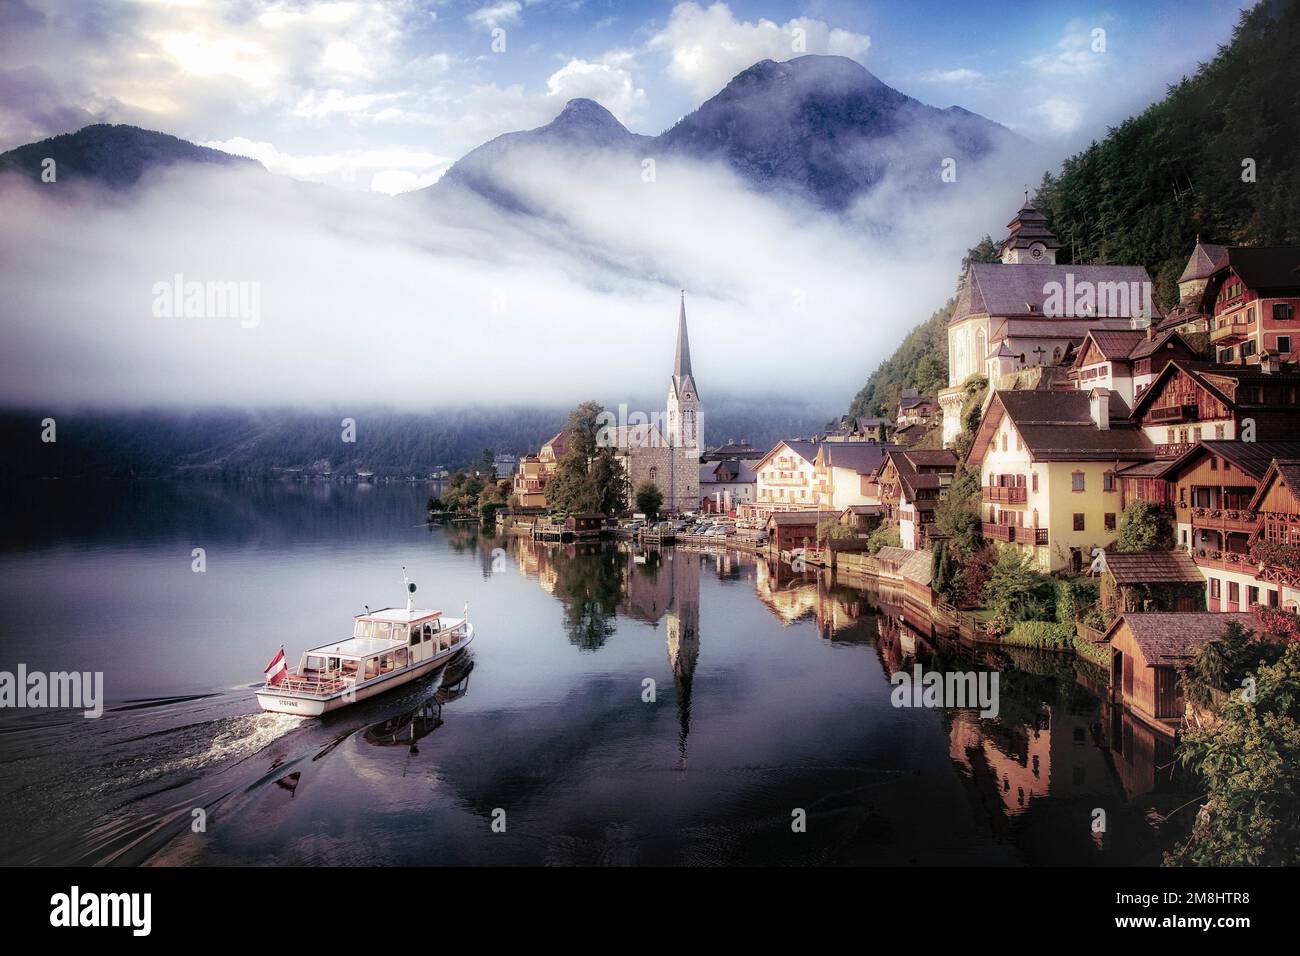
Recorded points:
(771, 693)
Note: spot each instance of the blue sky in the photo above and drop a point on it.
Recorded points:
(384, 94)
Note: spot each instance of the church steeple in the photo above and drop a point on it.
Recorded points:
(1030, 239)
(682, 365)
(683, 397)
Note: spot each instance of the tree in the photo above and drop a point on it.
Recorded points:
(649, 499)
(958, 516)
(589, 478)
(886, 536)
(1018, 591)
(487, 464)
(1222, 665)
(1144, 527)
(830, 529)
(1250, 762)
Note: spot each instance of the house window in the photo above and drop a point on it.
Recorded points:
(1234, 592)
(1004, 442)
(1034, 481)
(1284, 343)
(1196, 433)
(1252, 595)
(1078, 521)
(1214, 588)
(1282, 311)
(1225, 356)
(1076, 481)
(1110, 521)
(1248, 348)
(1108, 481)
(1218, 431)
(1035, 517)
(1171, 436)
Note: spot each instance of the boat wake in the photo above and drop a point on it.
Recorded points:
(234, 738)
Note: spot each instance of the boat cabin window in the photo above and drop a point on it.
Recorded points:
(415, 635)
(315, 663)
(381, 630)
(386, 664)
(401, 657)
(372, 667)
(428, 633)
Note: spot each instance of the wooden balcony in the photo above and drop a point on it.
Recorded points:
(1174, 449)
(1006, 495)
(1232, 332)
(1013, 534)
(999, 532)
(1224, 560)
(1157, 415)
(1224, 519)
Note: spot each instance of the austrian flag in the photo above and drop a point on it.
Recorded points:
(276, 670)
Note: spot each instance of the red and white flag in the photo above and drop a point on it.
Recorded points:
(276, 670)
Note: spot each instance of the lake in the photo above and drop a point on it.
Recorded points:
(675, 707)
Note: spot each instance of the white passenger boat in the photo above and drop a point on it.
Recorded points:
(388, 648)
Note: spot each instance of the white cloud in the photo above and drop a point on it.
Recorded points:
(505, 13)
(610, 86)
(1076, 54)
(959, 75)
(706, 47)
(392, 170)
(1061, 116)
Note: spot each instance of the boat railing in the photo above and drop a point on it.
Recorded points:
(312, 685)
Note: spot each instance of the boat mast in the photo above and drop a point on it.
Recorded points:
(410, 591)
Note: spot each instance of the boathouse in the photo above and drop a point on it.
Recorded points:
(1146, 650)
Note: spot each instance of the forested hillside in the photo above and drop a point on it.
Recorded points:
(1144, 193)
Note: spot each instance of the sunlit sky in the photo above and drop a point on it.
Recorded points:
(385, 94)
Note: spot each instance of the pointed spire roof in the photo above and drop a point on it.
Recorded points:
(682, 362)
(682, 365)
(1205, 260)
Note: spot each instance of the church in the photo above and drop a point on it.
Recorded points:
(1026, 311)
(669, 456)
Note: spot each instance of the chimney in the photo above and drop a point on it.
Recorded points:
(1099, 406)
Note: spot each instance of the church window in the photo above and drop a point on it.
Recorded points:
(654, 476)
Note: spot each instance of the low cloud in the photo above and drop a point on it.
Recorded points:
(441, 298)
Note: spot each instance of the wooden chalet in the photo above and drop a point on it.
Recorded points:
(1146, 650)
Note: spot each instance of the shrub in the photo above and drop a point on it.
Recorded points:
(1042, 634)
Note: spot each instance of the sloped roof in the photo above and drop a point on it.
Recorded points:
(1148, 346)
(1153, 567)
(1267, 267)
(1220, 380)
(909, 462)
(1252, 457)
(1058, 426)
(1287, 470)
(1165, 637)
(868, 510)
(1020, 290)
(1204, 261)
(913, 565)
(1115, 343)
(798, 517)
(709, 472)
(862, 457)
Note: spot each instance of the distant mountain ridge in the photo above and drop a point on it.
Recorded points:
(114, 155)
(823, 127)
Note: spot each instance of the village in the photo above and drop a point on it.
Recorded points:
(1097, 478)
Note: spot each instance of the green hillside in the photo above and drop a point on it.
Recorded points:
(1144, 193)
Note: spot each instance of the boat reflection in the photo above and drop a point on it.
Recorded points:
(412, 725)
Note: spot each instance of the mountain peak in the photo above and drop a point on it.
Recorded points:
(116, 155)
(588, 114)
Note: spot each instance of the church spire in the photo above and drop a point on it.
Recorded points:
(682, 365)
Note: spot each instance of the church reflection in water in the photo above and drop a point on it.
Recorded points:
(1056, 752)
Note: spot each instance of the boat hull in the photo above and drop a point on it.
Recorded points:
(313, 705)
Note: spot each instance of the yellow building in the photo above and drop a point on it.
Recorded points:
(1047, 462)
(845, 474)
